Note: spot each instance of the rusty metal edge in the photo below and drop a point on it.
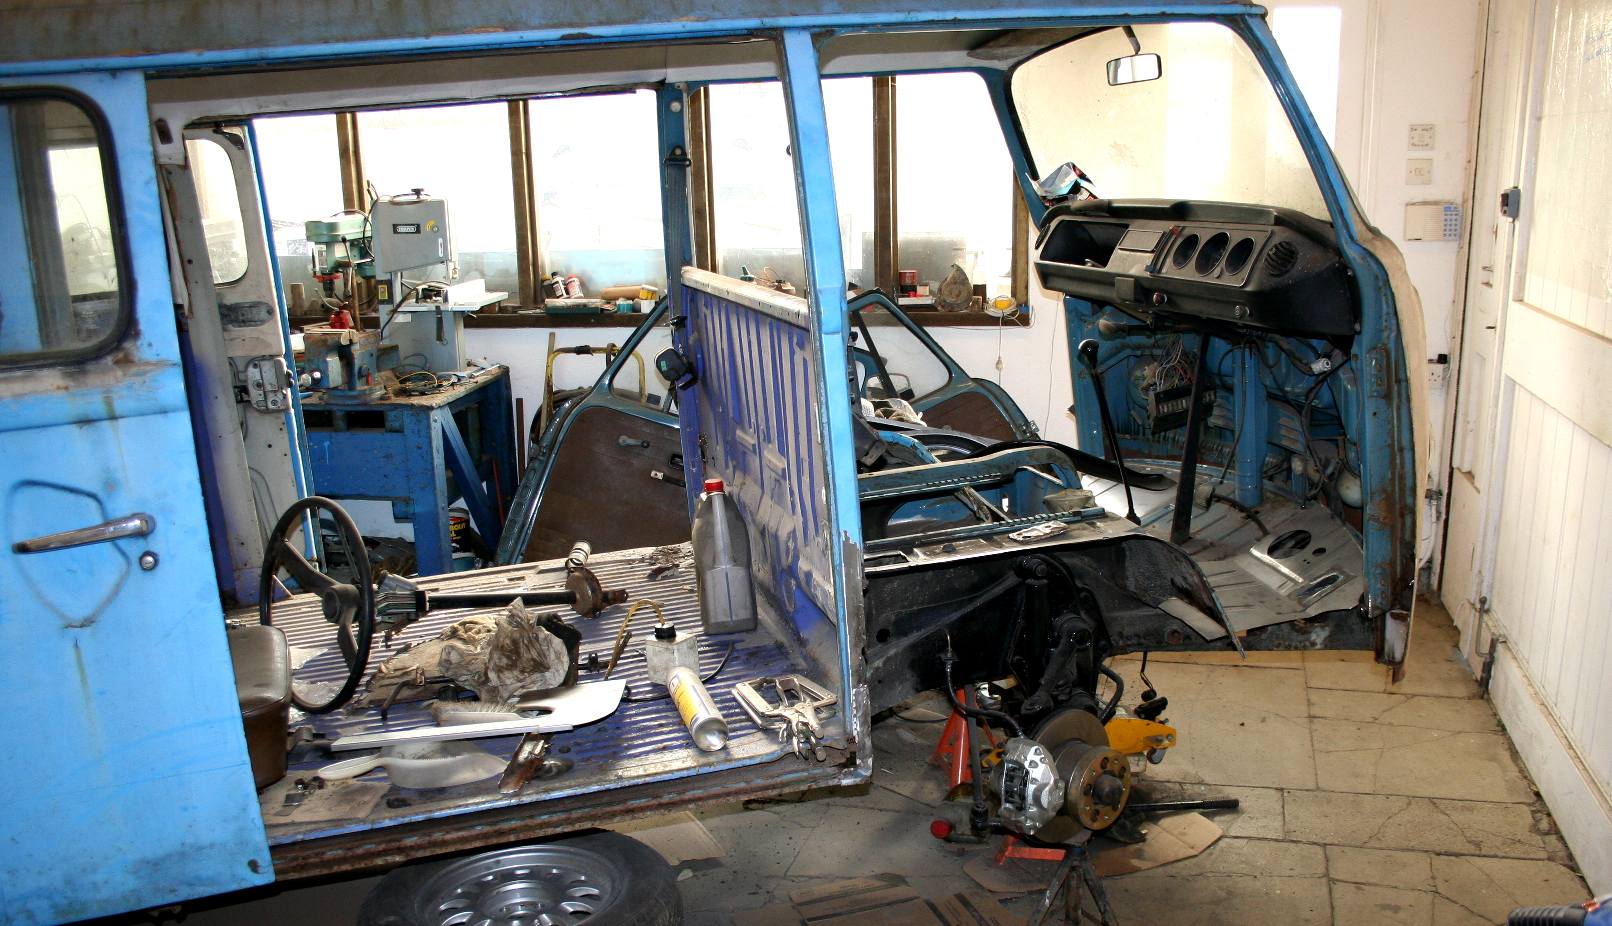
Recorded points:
(393, 846)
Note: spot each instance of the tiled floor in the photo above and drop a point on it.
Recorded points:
(1362, 803)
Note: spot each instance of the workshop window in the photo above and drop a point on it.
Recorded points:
(754, 207)
(64, 298)
(849, 103)
(954, 180)
(596, 176)
(220, 209)
(297, 156)
(459, 154)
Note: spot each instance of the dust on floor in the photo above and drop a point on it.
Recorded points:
(1363, 802)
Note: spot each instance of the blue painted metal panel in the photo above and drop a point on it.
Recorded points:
(758, 428)
(831, 362)
(127, 768)
(1253, 424)
(160, 34)
(1389, 470)
(16, 276)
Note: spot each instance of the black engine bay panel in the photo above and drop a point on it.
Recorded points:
(1246, 265)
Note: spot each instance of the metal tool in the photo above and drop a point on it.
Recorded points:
(674, 661)
(797, 714)
(567, 708)
(401, 601)
(576, 705)
(422, 765)
(528, 758)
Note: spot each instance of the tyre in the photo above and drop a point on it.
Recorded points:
(589, 879)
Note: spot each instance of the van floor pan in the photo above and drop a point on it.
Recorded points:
(642, 742)
(1255, 588)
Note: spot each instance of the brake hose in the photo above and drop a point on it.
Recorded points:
(1119, 691)
(983, 715)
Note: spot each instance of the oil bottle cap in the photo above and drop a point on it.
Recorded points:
(665, 632)
(713, 485)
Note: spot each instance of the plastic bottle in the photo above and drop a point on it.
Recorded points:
(722, 563)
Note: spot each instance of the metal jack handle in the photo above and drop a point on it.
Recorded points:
(1088, 357)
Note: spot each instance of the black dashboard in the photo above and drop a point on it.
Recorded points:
(1246, 265)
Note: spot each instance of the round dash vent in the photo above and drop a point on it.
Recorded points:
(1281, 258)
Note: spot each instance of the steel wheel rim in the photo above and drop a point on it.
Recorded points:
(546, 885)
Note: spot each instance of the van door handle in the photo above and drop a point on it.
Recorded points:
(134, 525)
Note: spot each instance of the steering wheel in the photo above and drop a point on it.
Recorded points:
(351, 607)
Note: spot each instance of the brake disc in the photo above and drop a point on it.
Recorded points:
(1097, 777)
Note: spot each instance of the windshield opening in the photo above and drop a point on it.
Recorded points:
(1208, 126)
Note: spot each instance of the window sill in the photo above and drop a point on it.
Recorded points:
(928, 318)
(934, 318)
(510, 320)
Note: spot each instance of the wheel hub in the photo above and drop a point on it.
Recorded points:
(528, 886)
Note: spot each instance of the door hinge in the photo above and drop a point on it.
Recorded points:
(1435, 497)
(1511, 203)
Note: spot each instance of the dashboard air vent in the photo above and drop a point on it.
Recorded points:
(1281, 258)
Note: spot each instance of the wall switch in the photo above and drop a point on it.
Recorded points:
(1421, 136)
(1418, 171)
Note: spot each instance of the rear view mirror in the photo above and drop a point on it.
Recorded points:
(1134, 69)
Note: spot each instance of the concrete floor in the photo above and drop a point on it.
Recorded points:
(1362, 803)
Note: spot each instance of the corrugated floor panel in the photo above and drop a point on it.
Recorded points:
(640, 741)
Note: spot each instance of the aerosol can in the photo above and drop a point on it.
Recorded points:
(674, 661)
(722, 563)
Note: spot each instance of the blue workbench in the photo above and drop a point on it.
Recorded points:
(420, 452)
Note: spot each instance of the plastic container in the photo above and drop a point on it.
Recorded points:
(722, 563)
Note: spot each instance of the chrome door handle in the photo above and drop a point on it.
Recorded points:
(134, 525)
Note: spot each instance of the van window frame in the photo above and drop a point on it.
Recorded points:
(117, 229)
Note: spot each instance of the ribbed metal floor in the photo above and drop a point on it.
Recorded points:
(640, 741)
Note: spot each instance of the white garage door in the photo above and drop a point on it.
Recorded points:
(1530, 538)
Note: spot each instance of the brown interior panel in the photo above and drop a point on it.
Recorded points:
(601, 491)
(971, 413)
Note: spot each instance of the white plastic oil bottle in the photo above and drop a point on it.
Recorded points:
(722, 563)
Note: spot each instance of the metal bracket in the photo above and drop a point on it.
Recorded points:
(268, 383)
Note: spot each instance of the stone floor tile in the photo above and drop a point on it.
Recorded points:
(1490, 888)
(1259, 815)
(766, 840)
(1248, 725)
(1346, 670)
(1381, 758)
(1159, 897)
(854, 841)
(1268, 660)
(725, 888)
(1412, 871)
(1448, 913)
(1375, 905)
(1456, 715)
(1231, 855)
(1393, 822)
